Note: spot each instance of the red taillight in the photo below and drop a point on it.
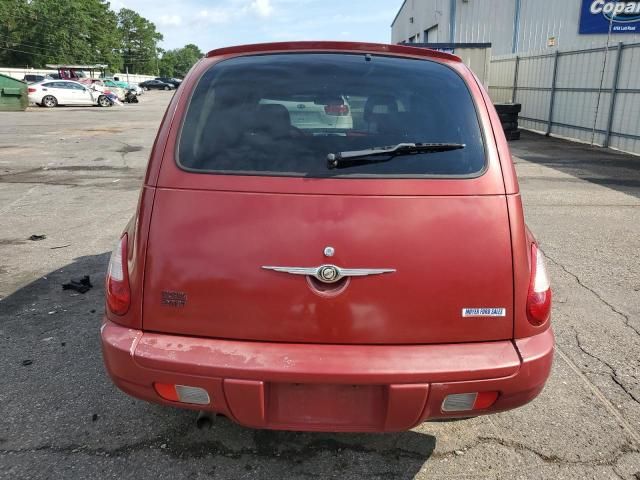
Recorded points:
(336, 110)
(118, 291)
(539, 298)
(32, 90)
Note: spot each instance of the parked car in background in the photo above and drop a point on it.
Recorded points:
(298, 279)
(136, 88)
(113, 83)
(317, 115)
(52, 93)
(34, 78)
(117, 83)
(156, 85)
(173, 81)
(104, 86)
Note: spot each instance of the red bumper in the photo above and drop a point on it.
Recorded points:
(327, 387)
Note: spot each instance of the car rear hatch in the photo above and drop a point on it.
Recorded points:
(243, 190)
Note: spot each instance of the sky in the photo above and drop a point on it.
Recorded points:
(217, 23)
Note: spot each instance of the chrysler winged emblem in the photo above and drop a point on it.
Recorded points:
(330, 273)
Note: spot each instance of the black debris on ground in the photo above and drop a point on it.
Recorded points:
(36, 238)
(82, 285)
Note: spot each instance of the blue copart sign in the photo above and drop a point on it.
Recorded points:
(598, 15)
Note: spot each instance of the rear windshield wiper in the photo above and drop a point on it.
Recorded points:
(363, 157)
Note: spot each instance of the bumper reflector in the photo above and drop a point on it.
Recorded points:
(464, 402)
(182, 393)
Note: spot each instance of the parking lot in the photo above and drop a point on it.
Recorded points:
(73, 174)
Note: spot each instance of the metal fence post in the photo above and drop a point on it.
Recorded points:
(614, 93)
(515, 79)
(553, 91)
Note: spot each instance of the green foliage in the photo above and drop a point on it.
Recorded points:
(176, 63)
(36, 32)
(139, 42)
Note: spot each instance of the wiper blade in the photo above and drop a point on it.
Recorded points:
(364, 157)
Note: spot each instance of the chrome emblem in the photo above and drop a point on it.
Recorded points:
(330, 273)
(329, 251)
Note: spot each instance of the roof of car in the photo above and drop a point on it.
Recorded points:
(51, 80)
(333, 46)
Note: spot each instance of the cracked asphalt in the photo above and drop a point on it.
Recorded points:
(73, 175)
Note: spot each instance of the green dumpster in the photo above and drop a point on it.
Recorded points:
(13, 94)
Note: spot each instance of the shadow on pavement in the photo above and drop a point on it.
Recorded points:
(59, 406)
(605, 167)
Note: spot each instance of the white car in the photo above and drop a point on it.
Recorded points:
(136, 88)
(51, 93)
(318, 115)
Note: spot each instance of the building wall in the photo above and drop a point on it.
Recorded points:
(426, 14)
(493, 21)
(488, 21)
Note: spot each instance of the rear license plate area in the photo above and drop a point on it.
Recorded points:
(290, 404)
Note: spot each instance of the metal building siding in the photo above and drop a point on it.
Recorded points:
(493, 21)
(541, 19)
(489, 21)
(501, 75)
(578, 99)
(426, 14)
(535, 75)
(626, 118)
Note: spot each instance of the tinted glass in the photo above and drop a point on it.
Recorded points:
(283, 114)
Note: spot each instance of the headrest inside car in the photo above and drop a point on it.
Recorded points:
(273, 120)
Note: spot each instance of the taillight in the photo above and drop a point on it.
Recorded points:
(336, 110)
(182, 393)
(539, 298)
(118, 291)
(463, 402)
(32, 90)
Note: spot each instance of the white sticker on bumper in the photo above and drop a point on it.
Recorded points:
(484, 312)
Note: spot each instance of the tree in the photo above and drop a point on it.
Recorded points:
(50, 31)
(177, 62)
(12, 34)
(36, 32)
(139, 42)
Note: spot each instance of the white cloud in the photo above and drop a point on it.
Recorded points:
(262, 7)
(216, 16)
(170, 20)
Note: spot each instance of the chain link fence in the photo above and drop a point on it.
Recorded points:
(590, 95)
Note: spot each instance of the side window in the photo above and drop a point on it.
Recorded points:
(75, 86)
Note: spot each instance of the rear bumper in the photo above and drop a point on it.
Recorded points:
(327, 387)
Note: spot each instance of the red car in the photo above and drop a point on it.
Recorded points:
(349, 276)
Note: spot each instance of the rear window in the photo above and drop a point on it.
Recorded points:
(283, 114)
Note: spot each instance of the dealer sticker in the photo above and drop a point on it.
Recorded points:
(484, 312)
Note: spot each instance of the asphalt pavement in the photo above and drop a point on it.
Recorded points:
(73, 175)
